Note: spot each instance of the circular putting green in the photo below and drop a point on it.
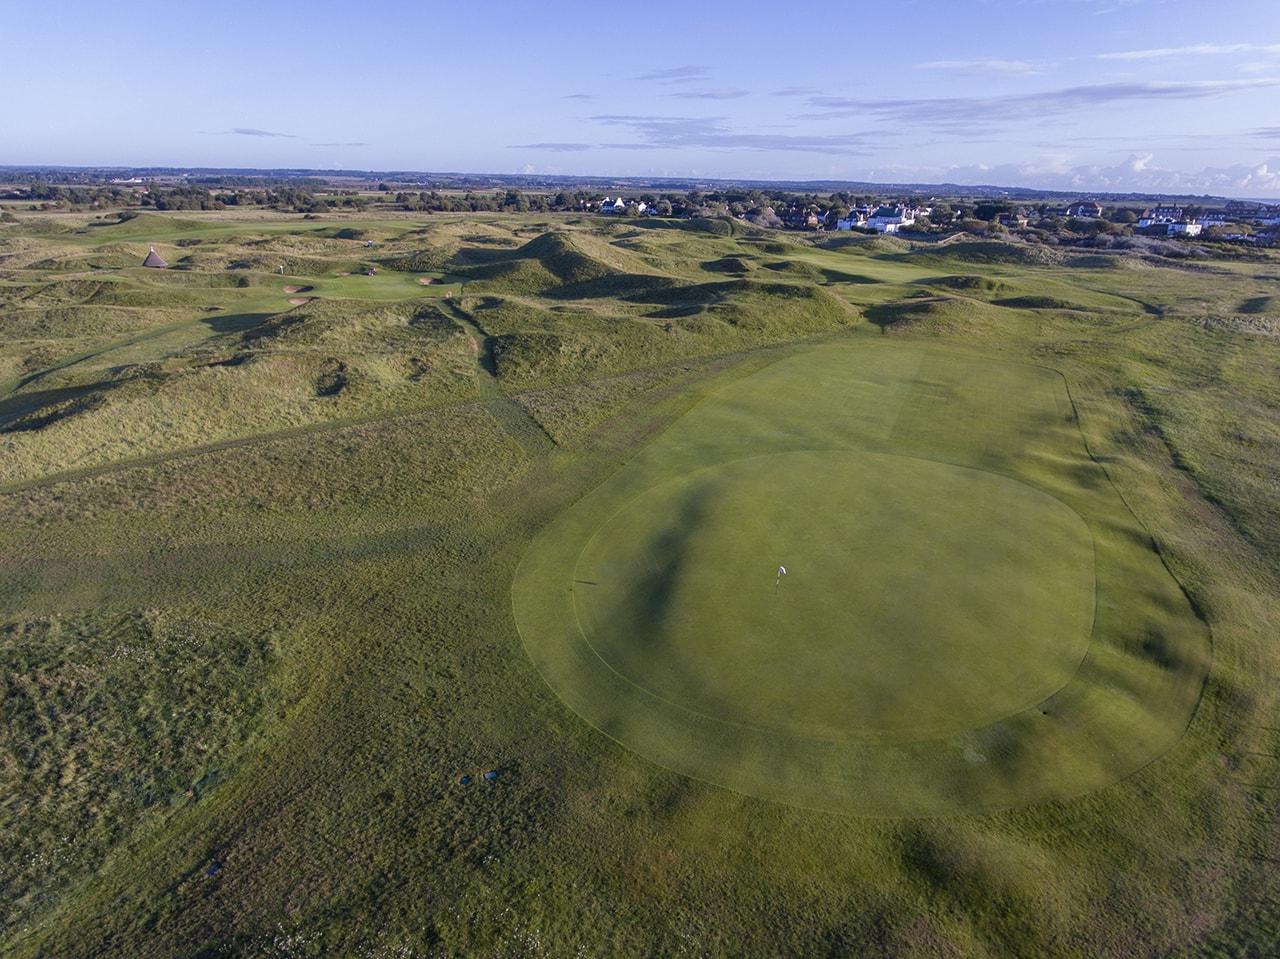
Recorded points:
(919, 598)
(970, 617)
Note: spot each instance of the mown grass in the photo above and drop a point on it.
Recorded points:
(651, 606)
(377, 549)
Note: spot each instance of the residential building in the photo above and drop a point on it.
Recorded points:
(1085, 208)
(854, 219)
(1169, 221)
(891, 219)
(1160, 215)
(1246, 210)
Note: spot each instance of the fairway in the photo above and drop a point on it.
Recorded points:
(970, 618)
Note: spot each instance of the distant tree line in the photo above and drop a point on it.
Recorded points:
(74, 195)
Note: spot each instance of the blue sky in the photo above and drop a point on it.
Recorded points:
(1170, 95)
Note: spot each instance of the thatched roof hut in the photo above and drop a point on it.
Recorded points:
(153, 260)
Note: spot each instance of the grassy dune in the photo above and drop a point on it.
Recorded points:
(256, 562)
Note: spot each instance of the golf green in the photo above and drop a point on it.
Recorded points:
(870, 633)
(970, 616)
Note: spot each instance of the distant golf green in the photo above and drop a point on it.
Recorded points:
(969, 617)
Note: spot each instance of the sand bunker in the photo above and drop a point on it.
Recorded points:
(427, 280)
(299, 300)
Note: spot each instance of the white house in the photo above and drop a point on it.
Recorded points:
(1170, 221)
(854, 219)
(891, 219)
(613, 206)
(1087, 209)
(1159, 216)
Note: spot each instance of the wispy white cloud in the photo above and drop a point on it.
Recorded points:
(1193, 50)
(552, 147)
(725, 93)
(668, 132)
(254, 132)
(1012, 67)
(685, 74)
(1139, 172)
(992, 66)
(965, 114)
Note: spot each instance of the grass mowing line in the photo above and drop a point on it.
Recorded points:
(1108, 717)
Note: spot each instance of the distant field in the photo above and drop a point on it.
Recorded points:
(281, 582)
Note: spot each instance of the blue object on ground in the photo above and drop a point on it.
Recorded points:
(491, 774)
(465, 781)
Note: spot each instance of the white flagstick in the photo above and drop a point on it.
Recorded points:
(782, 571)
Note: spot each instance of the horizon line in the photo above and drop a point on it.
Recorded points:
(579, 177)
